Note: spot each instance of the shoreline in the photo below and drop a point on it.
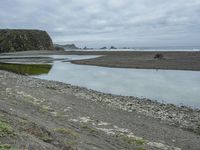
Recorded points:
(149, 124)
(80, 62)
(170, 113)
(90, 61)
(172, 60)
(90, 119)
(145, 60)
(145, 106)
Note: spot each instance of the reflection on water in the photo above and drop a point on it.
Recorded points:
(38, 59)
(26, 69)
(171, 86)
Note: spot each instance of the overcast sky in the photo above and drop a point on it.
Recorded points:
(108, 22)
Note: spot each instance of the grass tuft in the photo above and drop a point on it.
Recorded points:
(5, 129)
(26, 69)
(5, 147)
(68, 132)
(131, 140)
(90, 129)
(141, 148)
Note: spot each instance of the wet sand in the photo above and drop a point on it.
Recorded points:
(146, 60)
(177, 60)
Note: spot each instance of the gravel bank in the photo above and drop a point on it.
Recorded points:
(86, 119)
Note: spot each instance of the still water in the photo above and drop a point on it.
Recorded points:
(169, 86)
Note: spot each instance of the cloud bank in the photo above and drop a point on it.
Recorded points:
(104, 22)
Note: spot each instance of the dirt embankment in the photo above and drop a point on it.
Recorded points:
(45, 115)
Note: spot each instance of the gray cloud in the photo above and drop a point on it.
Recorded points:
(128, 22)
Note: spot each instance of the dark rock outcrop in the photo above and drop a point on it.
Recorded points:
(67, 46)
(59, 48)
(85, 48)
(70, 46)
(103, 47)
(12, 40)
(112, 47)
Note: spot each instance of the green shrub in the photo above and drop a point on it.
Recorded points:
(158, 56)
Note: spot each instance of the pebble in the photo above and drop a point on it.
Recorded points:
(183, 116)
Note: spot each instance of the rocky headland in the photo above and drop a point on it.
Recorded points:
(12, 40)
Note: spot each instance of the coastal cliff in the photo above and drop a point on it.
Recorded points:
(12, 40)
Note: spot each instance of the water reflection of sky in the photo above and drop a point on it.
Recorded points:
(38, 59)
(171, 86)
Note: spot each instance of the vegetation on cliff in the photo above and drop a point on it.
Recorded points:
(12, 40)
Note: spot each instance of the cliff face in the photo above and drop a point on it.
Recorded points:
(23, 40)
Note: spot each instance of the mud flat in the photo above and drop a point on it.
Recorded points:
(177, 60)
(40, 114)
(146, 60)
